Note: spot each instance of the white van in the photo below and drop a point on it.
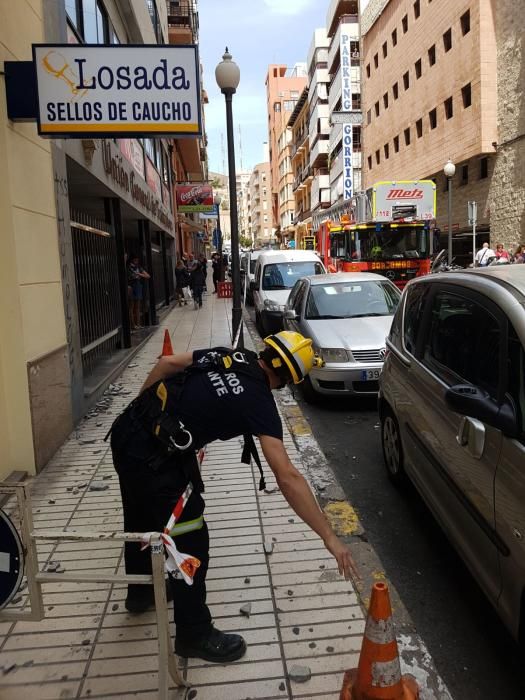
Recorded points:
(276, 272)
(248, 262)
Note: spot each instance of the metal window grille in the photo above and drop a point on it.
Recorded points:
(96, 279)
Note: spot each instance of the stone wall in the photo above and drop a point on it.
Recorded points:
(507, 193)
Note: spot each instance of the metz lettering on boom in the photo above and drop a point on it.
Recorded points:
(123, 79)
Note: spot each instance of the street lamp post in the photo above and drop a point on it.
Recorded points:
(217, 201)
(450, 171)
(227, 75)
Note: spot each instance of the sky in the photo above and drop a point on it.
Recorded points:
(257, 33)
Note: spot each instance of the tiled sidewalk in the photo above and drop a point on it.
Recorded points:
(302, 613)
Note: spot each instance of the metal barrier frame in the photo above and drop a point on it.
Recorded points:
(167, 661)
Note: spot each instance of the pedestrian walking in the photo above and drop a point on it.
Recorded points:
(182, 281)
(216, 271)
(198, 280)
(188, 401)
(136, 275)
(204, 265)
(484, 255)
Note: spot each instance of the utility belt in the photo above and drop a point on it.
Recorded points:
(148, 411)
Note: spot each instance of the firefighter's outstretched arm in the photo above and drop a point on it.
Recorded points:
(166, 367)
(298, 494)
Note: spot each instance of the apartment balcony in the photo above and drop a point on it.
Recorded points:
(307, 173)
(336, 135)
(319, 123)
(318, 47)
(299, 142)
(336, 91)
(337, 9)
(320, 192)
(319, 153)
(319, 78)
(352, 28)
(183, 22)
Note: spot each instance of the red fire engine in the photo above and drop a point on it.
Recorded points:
(388, 232)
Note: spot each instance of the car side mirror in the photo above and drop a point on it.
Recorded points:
(290, 315)
(469, 400)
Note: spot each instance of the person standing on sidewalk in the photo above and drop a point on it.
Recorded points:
(210, 394)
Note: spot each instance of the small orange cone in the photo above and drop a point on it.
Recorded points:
(166, 345)
(378, 675)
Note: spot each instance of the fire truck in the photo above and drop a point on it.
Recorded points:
(387, 232)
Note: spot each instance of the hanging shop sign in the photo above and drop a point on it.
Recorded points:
(134, 154)
(348, 179)
(195, 198)
(119, 90)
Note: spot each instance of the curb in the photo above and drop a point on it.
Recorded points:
(414, 655)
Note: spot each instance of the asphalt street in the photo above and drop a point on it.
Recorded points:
(471, 649)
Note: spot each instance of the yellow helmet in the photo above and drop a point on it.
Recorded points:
(295, 351)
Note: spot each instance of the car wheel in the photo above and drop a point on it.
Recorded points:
(392, 448)
(310, 395)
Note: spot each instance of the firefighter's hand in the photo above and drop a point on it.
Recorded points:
(343, 556)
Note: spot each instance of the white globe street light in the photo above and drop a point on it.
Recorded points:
(228, 75)
(450, 171)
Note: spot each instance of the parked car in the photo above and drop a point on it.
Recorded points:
(276, 272)
(248, 261)
(452, 408)
(348, 316)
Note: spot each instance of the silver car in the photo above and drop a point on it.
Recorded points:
(452, 408)
(348, 316)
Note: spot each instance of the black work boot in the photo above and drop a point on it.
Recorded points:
(216, 646)
(141, 598)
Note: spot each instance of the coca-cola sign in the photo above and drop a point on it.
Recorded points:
(195, 198)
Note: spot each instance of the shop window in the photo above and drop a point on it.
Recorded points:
(356, 102)
(466, 95)
(432, 117)
(419, 128)
(394, 37)
(356, 138)
(417, 9)
(447, 40)
(418, 68)
(378, 157)
(406, 80)
(407, 136)
(464, 175)
(396, 144)
(368, 70)
(376, 107)
(395, 91)
(370, 162)
(276, 106)
(385, 50)
(376, 61)
(432, 55)
(385, 100)
(483, 168)
(404, 24)
(449, 108)
(386, 148)
(465, 23)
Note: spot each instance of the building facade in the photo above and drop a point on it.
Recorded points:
(260, 211)
(74, 212)
(344, 67)
(507, 187)
(319, 124)
(430, 94)
(302, 172)
(283, 88)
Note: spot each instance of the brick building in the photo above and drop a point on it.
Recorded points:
(430, 94)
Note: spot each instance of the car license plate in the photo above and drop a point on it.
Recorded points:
(369, 375)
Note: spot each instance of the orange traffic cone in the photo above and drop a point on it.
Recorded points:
(166, 345)
(378, 675)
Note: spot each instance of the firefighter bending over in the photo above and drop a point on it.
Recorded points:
(188, 401)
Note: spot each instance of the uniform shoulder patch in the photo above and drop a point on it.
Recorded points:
(227, 361)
